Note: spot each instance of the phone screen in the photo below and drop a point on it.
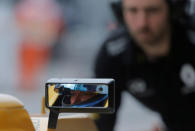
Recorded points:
(62, 95)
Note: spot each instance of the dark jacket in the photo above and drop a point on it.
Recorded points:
(166, 85)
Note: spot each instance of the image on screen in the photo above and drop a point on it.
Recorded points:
(78, 95)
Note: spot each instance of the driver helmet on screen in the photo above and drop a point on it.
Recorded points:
(80, 95)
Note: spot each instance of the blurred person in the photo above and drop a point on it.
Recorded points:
(40, 23)
(152, 56)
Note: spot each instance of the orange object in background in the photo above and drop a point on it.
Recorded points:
(32, 61)
(40, 23)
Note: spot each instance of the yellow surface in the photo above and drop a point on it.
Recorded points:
(15, 120)
(7, 101)
(13, 116)
(43, 106)
(50, 129)
(52, 95)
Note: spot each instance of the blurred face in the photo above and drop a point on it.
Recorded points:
(147, 20)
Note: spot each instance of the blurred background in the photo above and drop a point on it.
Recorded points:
(42, 39)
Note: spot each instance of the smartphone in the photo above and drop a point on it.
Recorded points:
(80, 95)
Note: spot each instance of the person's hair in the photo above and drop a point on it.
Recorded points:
(177, 9)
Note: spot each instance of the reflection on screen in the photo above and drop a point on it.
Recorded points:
(78, 95)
